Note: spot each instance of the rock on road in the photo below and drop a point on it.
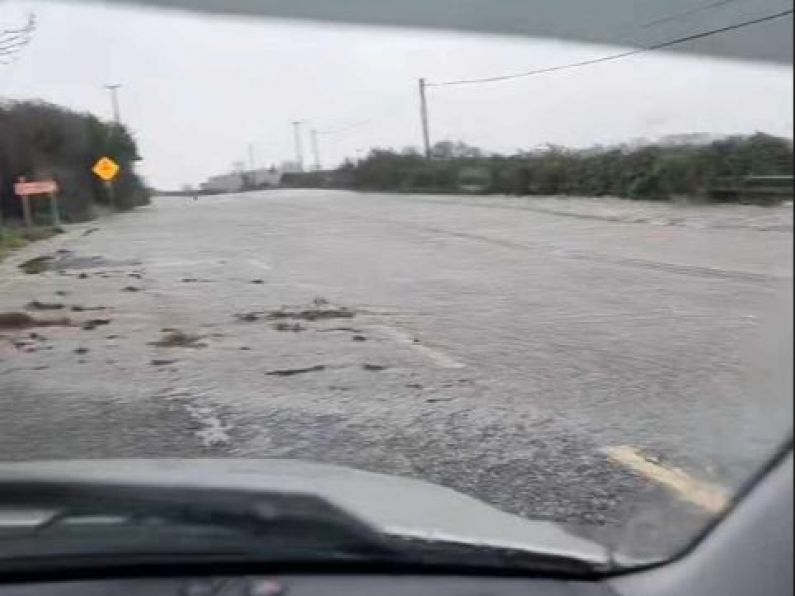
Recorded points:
(504, 351)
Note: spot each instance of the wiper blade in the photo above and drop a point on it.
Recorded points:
(113, 523)
(240, 520)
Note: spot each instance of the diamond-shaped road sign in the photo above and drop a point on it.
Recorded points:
(106, 169)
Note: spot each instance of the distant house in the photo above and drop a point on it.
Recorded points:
(243, 180)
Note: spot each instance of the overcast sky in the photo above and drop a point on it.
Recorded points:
(199, 89)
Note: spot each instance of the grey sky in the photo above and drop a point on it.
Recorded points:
(199, 88)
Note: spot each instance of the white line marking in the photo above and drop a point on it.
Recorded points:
(707, 496)
(440, 359)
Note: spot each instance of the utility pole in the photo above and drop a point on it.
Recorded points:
(299, 154)
(114, 101)
(251, 156)
(315, 149)
(426, 138)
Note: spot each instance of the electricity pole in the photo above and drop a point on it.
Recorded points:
(251, 156)
(315, 150)
(426, 138)
(299, 154)
(114, 101)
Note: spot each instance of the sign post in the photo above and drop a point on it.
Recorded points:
(56, 217)
(106, 170)
(43, 187)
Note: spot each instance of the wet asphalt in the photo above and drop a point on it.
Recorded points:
(490, 344)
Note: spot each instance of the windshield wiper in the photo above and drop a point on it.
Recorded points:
(118, 524)
(80, 518)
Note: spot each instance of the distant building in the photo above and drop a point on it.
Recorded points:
(242, 180)
(291, 167)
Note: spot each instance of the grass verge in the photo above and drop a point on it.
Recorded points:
(12, 239)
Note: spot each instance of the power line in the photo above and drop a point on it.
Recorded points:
(618, 56)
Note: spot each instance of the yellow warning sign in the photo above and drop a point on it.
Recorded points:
(106, 168)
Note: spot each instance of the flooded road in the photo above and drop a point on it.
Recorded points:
(556, 366)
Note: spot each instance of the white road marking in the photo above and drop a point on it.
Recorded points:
(703, 494)
(440, 359)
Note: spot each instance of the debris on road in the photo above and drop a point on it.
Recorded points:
(373, 367)
(81, 350)
(36, 265)
(21, 320)
(61, 292)
(135, 275)
(82, 276)
(129, 288)
(348, 329)
(433, 400)
(247, 317)
(37, 305)
(318, 313)
(288, 372)
(90, 231)
(179, 339)
(257, 281)
(161, 362)
(79, 308)
(413, 386)
(358, 337)
(94, 323)
(284, 326)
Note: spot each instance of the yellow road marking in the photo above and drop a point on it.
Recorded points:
(707, 496)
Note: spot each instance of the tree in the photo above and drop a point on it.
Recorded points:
(42, 141)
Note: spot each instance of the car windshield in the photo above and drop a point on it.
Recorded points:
(549, 273)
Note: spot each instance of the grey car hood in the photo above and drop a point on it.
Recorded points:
(392, 504)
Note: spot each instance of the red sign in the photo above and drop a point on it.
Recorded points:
(43, 187)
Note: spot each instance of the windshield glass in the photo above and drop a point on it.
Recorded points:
(552, 276)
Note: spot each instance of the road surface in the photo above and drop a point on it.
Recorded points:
(613, 373)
